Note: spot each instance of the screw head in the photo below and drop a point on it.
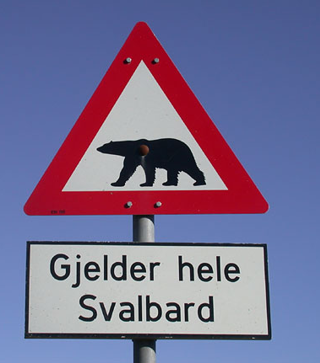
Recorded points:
(158, 205)
(144, 150)
(128, 204)
(156, 60)
(127, 60)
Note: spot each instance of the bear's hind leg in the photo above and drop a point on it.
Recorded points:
(197, 175)
(172, 178)
(199, 179)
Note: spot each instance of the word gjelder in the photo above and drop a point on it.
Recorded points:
(92, 270)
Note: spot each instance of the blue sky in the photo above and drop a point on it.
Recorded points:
(254, 66)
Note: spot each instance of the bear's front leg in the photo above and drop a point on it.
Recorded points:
(129, 167)
(150, 172)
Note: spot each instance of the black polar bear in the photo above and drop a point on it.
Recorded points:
(169, 154)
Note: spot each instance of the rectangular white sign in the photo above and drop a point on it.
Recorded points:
(158, 290)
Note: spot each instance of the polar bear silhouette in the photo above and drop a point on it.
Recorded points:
(170, 154)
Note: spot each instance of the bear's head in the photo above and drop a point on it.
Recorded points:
(106, 148)
(121, 148)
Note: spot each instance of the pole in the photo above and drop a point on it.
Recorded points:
(144, 350)
(143, 229)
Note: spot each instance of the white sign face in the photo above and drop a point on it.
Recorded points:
(142, 111)
(131, 290)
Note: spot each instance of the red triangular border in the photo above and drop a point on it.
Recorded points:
(242, 195)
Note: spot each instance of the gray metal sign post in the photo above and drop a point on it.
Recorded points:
(144, 350)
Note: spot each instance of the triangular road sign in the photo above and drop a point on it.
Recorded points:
(144, 145)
